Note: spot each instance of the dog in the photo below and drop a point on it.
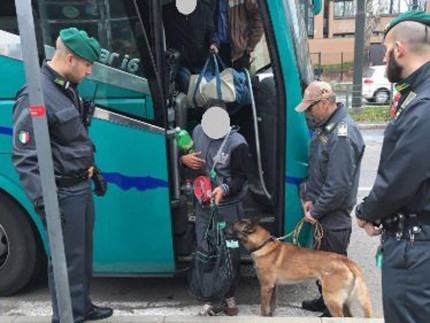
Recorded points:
(279, 263)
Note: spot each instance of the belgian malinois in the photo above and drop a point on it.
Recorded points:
(283, 263)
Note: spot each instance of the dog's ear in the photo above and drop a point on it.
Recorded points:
(252, 225)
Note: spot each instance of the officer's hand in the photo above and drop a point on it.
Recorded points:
(309, 218)
(217, 194)
(213, 49)
(371, 230)
(307, 206)
(192, 161)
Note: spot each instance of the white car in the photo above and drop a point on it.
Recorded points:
(376, 87)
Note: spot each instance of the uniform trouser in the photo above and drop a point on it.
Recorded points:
(335, 241)
(230, 214)
(77, 212)
(406, 280)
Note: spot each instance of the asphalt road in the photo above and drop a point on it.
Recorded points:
(168, 296)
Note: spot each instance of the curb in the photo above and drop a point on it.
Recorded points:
(197, 319)
(371, 126)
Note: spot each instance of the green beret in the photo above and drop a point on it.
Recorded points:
(418, 16)
(81, 44)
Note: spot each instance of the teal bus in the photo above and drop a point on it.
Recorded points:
(143, 225)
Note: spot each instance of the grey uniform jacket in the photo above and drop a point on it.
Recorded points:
(72, 149)
(402, 182)
(334, 170)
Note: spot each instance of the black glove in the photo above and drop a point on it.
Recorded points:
(359, 208)
(89, 109)
(100, 184)
(242, 62)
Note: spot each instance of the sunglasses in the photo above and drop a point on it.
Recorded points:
(309, 109)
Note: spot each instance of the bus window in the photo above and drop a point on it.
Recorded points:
(300, 40)
(122, 82)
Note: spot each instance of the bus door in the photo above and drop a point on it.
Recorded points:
(133, 233)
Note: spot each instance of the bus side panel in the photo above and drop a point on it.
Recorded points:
(297, 135)
(133, 232)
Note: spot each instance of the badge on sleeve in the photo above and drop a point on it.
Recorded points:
(24, 137)
(342, 130)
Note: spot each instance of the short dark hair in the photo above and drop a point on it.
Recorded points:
(215, 103)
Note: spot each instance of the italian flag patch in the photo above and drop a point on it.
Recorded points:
(24, 137)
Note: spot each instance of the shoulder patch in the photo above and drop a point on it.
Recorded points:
(24, 137)
(342, 129)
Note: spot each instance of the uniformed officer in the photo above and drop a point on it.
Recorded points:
(73, 156)
(400, 197)
(334, 171)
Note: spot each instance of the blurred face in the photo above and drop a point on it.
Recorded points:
(318, 110)
(78, 68)
(393, 54)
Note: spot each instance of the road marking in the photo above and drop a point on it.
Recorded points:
(365, 188)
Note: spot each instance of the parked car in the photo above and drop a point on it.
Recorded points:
(376, 87)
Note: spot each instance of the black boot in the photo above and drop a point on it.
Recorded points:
(98, 313)
(314, 305)
(326, 313)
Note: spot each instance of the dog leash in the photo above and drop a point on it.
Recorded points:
(318, 234)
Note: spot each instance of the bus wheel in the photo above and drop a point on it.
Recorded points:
(18, 248)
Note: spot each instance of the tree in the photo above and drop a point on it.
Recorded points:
(374, 8)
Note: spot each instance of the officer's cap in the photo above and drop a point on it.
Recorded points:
(418, 16)
(81, 44)
(315, 92)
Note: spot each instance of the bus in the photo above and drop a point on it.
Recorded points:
(143, 225)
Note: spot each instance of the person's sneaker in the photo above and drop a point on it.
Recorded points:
(211, 310)
(314, 305)
(231, 308)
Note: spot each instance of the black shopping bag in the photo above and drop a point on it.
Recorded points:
(212, 273)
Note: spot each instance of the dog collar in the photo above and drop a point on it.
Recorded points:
(269, 239)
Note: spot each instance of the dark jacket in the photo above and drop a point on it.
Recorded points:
(231, 169)
(191, 35)
(72, 149)
(334, 170)
(402, 183)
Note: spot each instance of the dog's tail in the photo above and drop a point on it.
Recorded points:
(360, 290)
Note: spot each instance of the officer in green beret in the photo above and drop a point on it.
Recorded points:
(398, 206)
(73, 156)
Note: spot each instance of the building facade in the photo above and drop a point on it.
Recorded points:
(331, 34)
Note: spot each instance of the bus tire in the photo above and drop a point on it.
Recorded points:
(18, 248)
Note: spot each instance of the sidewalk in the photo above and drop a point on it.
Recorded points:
(370, 126)
(197, 319)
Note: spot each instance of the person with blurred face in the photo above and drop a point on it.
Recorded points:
(74, 167)
(334, 170)
(398, 206)
(222, 155)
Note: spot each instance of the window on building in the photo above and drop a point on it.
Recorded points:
(307, 11)
(391, 7)
(344, 35)
(344, 8)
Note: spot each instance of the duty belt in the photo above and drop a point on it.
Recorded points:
(407, 226)
(79, 177)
